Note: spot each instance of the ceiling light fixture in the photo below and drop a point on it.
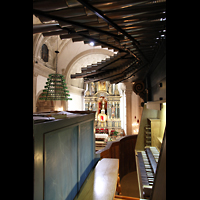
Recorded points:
(55, 88)
(92, 44)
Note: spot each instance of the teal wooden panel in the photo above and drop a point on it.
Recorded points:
(61, 164)
(86, 150)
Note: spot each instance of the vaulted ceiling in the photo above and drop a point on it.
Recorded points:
(134, 28)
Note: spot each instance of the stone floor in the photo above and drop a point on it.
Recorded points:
(129, 185)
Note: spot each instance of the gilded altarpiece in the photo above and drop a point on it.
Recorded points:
(104, 98)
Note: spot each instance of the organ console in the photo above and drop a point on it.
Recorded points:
(148, 154)
(65, 157)
(147, 164)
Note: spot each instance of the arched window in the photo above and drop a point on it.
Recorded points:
(45, 53)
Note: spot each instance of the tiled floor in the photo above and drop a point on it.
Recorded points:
(129, 185)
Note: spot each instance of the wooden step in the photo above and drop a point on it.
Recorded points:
(120, 197)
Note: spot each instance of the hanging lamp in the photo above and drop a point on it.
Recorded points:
(55, 88)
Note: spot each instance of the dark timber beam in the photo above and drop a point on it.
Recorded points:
(109, 21)
(106, 19)
(60, 19)
(38, 12)
(41, 28)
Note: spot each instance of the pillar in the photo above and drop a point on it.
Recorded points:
(34, 91)
(128, 92)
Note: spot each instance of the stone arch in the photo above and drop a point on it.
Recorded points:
(38, 94)
(78, 57)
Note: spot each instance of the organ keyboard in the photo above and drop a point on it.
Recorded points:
(150, 151)
(147, 161)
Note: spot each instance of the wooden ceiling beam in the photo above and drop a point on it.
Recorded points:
(53, 17)
(109, 25)
(41, 28)
(109, 21)
(106, 19)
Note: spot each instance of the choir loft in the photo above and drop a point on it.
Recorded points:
(99, 99)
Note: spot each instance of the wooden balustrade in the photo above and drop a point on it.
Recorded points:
(124, 150)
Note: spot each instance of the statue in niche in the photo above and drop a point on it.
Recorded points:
(92, 88)
(112, 111)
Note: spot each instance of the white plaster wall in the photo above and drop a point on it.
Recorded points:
(70, 51)
(77, 98)
(41, 82)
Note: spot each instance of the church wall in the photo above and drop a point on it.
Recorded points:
(74, 51)
(156, 78)
(70, 54)
(41, 82)
(77, 98)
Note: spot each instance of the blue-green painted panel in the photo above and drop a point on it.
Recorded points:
(61, 164)
(86, 150)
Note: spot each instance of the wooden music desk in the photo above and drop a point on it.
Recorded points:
(101, 182)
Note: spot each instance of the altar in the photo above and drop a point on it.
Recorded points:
(104, 98)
